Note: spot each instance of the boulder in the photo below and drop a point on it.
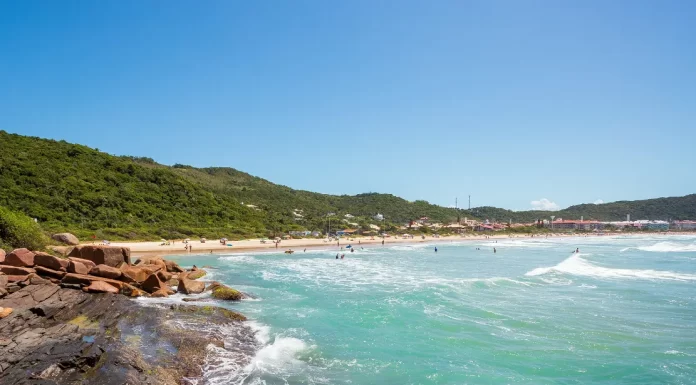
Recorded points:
(36, 280)
(2, 256)
(188, 286)
(102, 255)
(86, 280)
(164, 276)
(227, 293)
(20, 257)
(152, 284)
(173, 267)
(173, 282)
(85, 262)
(77, 267)
(44, 271)
(106, 272)
(136, 274)
(100, 287)
(66, 238)
(132, 291)
(3, 280)
(49, 261)
(160, 294)
(5, 311)
(14, 270)
(16, 278)
(213, 285)
(195, 274)
(157, 261)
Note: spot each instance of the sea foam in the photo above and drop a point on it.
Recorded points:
(576, 265)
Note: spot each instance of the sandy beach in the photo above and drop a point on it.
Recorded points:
(177, 247)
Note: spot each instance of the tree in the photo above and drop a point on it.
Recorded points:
(18, 230)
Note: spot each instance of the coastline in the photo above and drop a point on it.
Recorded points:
(149, 249)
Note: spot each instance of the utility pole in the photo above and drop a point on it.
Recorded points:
(456, 207)
(469, 202)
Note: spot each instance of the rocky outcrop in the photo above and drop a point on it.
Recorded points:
(20, 258)
(195, 274)
(100, 287)
(188, 286)
(14, 270)
(152, 284)
(226, 293)
(66, 238)
(77, 267)
(173, 267)
(51, 335)
(85, 262)
(106, 272)
(49, 261)
(102, 255)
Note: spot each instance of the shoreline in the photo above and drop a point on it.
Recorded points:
(149, 249)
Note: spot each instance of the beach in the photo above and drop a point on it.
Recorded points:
(177, 247)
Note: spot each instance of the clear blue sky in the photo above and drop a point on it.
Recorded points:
(509, 101)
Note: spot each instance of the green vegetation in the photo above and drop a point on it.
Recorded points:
(18, 230)
(91, 194)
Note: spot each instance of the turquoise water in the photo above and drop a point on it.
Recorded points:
(622, 311)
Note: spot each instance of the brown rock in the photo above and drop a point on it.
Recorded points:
(173, 282)
(16, 278)
(173, 267)
(36, 280)
(85, 262)
(164, 276)
(106, 272)
(77, 267)
(20, 258)
(152, 284)
(195, 274)
(102, 255)
(160, 293)
(14, 270)
(86, 280)
(44, 271)
(101, 287)
(188, 286)
(2, 256)
(66, 238)
(49, 261)
(5, 311)
(132, 291)
(137, 274)
(3, 280)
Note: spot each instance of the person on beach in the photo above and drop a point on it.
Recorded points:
(305, 250)
(382, 242)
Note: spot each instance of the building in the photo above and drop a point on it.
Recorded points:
(378, 217)
(684, 225)
(561, 224)
(300, 233)
(652, 225)
(346, 232)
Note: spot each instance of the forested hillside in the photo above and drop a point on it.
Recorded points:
(69, 187)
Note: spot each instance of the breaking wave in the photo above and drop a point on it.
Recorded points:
(667, 247)
(576, 265)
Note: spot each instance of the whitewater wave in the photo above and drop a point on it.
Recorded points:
(669, 247)
(576, 265)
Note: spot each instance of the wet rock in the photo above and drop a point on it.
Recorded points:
(195, 274)
(137, 274)
(66, 238)
(17, 278)
(152, 284)
(132, 291)
(173, 267)
(164, 275)
(15, 270)
(106, 272)
(188, 286)
(226, 293)
(164, 292)
(20, 258)
(49, 261)
(102, 255)
(100, 287)
(43, 271)
(3, 280)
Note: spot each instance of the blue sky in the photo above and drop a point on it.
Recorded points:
(512, 102)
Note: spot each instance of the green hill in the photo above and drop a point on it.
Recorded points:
(69, 187)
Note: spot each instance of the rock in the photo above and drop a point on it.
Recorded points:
(66, 238)
(3, 292)
(157, 261)
(5, 311)
(102, 255)
(213, 285)
(77, 267)
(173, 282)
(16, 278)
(44, 271)
(137, 274)
(12, 287)
(14, 270)
(100, 287)
(3, 280)
(49, 261)
(132, 291)
(85, 262)
(227, 293)
(164, 276)
(173, 267)
(2, 256)
(195, 299)
(20, 258)
(106, 272)
(164, 292)
(86, 280)
(188, 286)
(195, 274)
(152, 284)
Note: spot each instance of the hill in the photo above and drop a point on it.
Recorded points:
(70, 187)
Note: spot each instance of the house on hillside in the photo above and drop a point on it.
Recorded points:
(378, 217)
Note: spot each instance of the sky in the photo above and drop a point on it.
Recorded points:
(520, 104)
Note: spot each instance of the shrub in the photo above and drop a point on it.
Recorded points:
(18, 230)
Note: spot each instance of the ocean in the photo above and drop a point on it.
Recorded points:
(621, 311)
